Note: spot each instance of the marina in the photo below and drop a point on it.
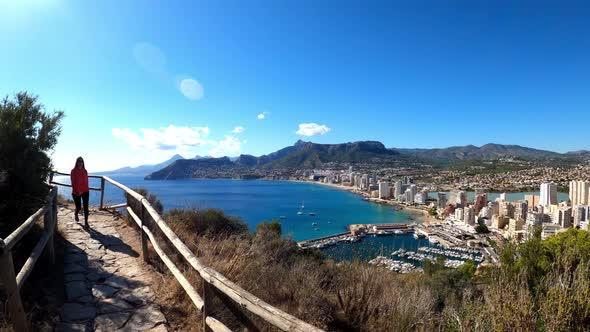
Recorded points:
(420, 257)
(409, 245)
(394, 265)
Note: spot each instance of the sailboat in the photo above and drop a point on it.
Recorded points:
(300, 212)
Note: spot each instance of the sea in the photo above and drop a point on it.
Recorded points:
(255, 201)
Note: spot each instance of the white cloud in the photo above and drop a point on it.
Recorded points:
(165, 138)
(312, 129)
(150, 58)
(262, 115)
(191, 89)
(238, 130)
(228, 146)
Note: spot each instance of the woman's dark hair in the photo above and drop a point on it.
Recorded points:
(82, 160)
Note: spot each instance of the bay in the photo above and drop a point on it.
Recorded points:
(255, 201)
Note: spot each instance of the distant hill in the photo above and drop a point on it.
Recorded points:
(370, 154)
(579, 153)
(485, 152)
(300, 155)
(142, 170)
(195, 168)
(310, 155)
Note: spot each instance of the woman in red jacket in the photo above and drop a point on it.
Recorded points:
(80, 191)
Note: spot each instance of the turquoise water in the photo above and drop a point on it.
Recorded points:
(256, 200)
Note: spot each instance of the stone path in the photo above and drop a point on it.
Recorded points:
(106, 289)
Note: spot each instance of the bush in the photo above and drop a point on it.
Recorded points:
(271, 226)
(432, 212)
(27, 135)
(482, 229)
(210, 222)
(151, 198)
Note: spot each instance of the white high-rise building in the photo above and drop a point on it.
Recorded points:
(548, 194)
(383, 190)
(520, 210)
(408, 196)
(459, 214)
(421, 197)
(398, 190)
(533, 219)
(563, 217)
(462, 198)
(580, 214)
(580, 193)
(414, 190)
(469, 215)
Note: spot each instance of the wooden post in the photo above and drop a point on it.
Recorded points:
(101, 193)
(54, 206)
(236, 310)
(15, 305)
(144, 238)
(207, 304)
(47, 224)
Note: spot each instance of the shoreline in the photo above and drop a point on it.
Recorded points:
(420, 215)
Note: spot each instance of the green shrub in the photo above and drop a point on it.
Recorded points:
(271, 226)
(27, 135)
(210, 222)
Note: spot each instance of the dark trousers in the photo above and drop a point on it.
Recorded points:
(84, 198)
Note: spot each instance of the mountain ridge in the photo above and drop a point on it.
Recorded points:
(305, 155)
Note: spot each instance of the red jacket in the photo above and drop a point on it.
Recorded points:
(79, 179)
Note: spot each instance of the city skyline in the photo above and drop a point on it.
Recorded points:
(179, 78)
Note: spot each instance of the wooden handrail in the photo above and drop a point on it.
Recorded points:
(211, 279)
(14, 237)
(215, 325)
(276, 317)
(188, 288)
(68, 174)
(13, 282)
(124, 188)
(24, 272)
(69, 185)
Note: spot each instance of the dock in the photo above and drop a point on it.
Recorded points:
(356, 232)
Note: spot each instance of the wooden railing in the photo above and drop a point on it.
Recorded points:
(215, 285)
(13, 282)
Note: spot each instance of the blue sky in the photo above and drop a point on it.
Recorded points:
(142, 80)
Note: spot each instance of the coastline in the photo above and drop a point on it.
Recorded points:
(420, 215)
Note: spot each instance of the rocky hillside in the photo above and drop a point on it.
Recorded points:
(485, 152)
(365, 154)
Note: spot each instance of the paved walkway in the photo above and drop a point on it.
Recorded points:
(106, 289)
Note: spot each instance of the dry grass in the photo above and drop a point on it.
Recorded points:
(331, 296)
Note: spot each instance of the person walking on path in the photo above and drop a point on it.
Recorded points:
(80, 190)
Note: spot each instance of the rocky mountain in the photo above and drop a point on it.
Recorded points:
(579, 153)
(485, 152)
(367, 154)
(311, 155)
(298, 156)
(194, 168)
